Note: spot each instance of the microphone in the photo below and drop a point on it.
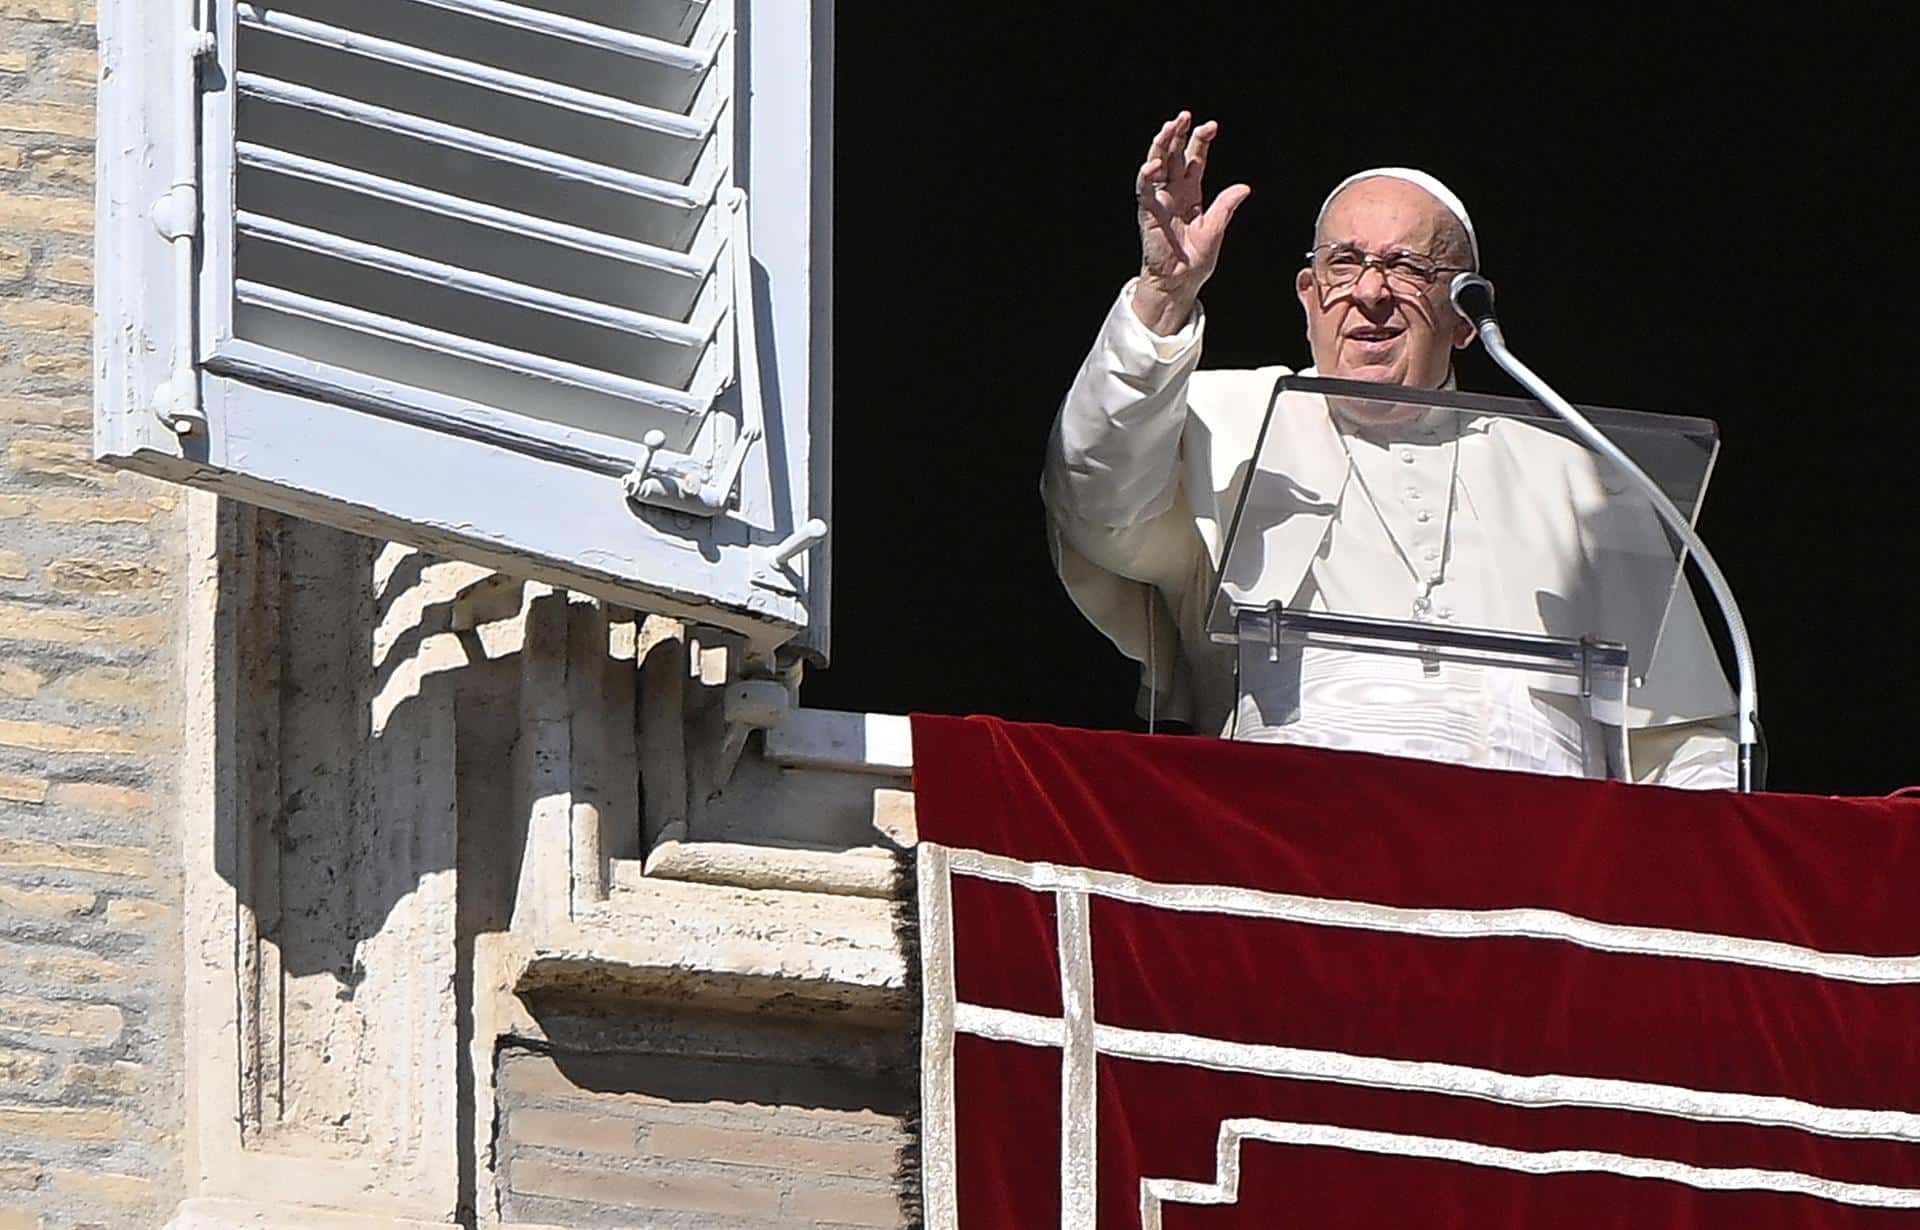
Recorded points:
(1472, 297)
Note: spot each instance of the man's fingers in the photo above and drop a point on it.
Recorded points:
(1175, 153)
(1151, 175)
(1162, 144)
(1198, 143)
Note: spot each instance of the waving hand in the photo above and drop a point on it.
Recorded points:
(1179, 234)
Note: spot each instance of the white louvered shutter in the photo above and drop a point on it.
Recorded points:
(519, 280)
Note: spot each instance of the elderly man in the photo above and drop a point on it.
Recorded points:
(1392, 514)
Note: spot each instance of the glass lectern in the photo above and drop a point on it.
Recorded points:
(1450, 575)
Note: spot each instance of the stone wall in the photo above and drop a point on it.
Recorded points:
(703, 1121)
(400, 816)
(89, 592)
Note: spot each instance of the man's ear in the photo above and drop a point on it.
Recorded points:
(1303, 285)
(1463, 331)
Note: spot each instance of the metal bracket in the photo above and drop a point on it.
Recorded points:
(749, 705)
(673, 480)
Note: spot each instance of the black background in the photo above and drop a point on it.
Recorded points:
(1694, 214)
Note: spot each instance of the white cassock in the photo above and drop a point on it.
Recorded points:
(1474, 522)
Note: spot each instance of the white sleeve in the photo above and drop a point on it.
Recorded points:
(1113, 456)
(1118, 527)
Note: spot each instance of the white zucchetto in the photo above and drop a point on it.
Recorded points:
(1419, 179)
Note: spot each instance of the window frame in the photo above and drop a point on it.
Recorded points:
(529, 497)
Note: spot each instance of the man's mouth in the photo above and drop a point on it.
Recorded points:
(1375, 333)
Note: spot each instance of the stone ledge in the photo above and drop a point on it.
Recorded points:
(806, 953)
(836, 739)
(870, 871)
(218, 1214)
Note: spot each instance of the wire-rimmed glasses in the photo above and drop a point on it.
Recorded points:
(1340, 266)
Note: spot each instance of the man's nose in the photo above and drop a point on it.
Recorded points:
(1371, 290)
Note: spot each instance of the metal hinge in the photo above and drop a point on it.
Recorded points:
(176, 215)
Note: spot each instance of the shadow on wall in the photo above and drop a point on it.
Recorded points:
(375, 782)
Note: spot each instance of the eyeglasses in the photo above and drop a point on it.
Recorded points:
(1339, 266)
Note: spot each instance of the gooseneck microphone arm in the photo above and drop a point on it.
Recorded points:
(1473, 299)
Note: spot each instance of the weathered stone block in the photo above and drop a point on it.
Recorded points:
(61, 1122)
(645, 1189)
(18, 789)
(86, 509)
(22, 1068)
(136, 914)
(99, 797)
(53, 737)
(61, 627)
(107, 1188)
(55, 458)
(19, 1176)
(65, 11)
(574, 1131)
(69, 367)
(803, 1154)
(117, 1079)
(46, 902)
(62, 319)
(69, 970)
(70, 271)
(78, 65)
(869, 1205)
(46, 118)
(75, 856)
(44, 412)
(103, 576)
(21, 214)
(95, 1023)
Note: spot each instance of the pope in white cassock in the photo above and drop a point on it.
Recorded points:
(1457, 519)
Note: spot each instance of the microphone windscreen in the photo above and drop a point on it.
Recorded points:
(1472, 297)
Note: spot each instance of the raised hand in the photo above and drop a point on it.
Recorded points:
(1179, 238)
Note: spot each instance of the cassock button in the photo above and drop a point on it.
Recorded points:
(1423, 515)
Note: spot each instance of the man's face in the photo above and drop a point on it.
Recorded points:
(1375, 329)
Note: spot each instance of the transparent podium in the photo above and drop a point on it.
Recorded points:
(1451, 576)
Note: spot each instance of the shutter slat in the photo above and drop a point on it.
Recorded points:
(638, 324)
(614, 247)
(522, 362)
(539, 21)
(565, 166)
(485, 76)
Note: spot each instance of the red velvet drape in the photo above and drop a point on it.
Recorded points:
(1832, 881)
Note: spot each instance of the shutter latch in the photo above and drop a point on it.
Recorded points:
(676, 481)
(776, 570)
